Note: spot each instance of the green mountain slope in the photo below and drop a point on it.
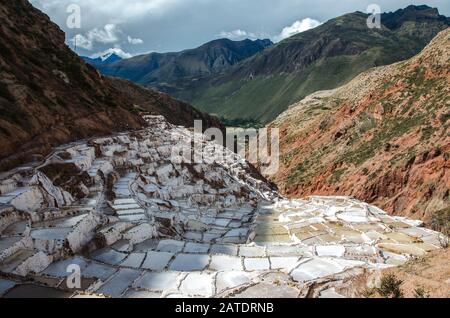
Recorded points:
(326, 57)
(164, 70)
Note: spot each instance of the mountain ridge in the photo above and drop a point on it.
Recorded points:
(262, 86)
(159, 70)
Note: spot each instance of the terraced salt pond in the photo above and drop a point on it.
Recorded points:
(139, 223)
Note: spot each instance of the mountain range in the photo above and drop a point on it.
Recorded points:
(50, 96)
(263, 82)
(162, 71)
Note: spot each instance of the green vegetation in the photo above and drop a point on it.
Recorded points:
(300, 174)
(447, 156)
(337, 175)
(427, 132)
(303, 172)
(241, 123)
(444, 118)
(391, 129)
(441, 221)
(420, 292)
(367, 123)
(418, 77)
(136, 109)
(264, 97)
(390, 287)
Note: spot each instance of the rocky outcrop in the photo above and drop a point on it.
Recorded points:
(382, 138)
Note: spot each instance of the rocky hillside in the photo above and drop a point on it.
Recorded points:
(49, 96)
(326, 57)
(155, 103)
(383, 137)
(168, 72)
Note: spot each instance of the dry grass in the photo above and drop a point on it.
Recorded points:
(425, 277)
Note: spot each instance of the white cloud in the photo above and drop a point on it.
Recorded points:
(80, 40)
(237, 35)
(110, 34)
(116, 50)
(174, 25)
(134, 41)
(121, 10)
(297, 27)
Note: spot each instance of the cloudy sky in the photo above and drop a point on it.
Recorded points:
(132, 27)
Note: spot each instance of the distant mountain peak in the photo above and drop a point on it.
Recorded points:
(110, 57)
(422, 7)
(394, 20)
(104, 59)
(265, 42)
